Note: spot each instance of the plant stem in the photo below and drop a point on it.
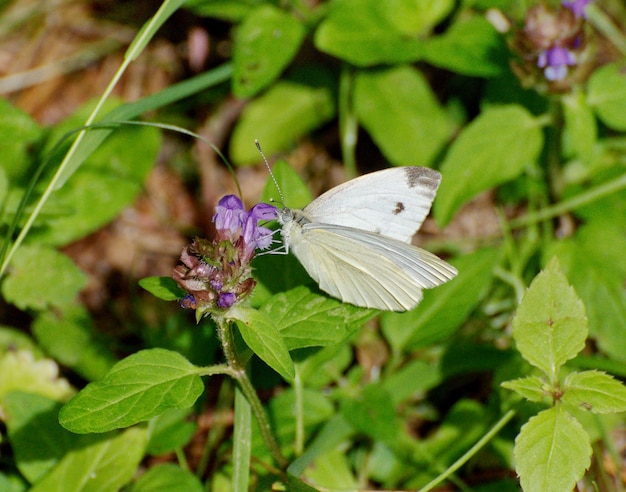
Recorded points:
(225, 333)
(573, 203)
(348, 125)
(471, 452)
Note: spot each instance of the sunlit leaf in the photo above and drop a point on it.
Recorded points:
(552, 451)
(594, 391)
(41, 277)
(261, 334)
(138, 388)
(402, 115)
(491, 150)
(550, 326)
(265, 43)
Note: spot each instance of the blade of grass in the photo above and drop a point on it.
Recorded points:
(95, 137)
(242, 442)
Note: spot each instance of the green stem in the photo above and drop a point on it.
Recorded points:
(585, 198)
(348, 127)
(471, 452)
(299, 411)
(605, 25)
(225, 333)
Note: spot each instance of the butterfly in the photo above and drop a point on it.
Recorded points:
(355, 239)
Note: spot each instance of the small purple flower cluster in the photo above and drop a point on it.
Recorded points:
(216, 274)
(557, 59)
(554, 41)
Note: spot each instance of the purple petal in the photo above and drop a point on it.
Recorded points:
(226, 300)
(229, 214)
(263, 211)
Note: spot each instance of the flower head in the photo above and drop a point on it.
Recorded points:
(555, 62)
(217, 274)
(554, 53)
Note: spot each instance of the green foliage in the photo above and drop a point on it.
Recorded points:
(352, 398)
(607, 95)
(267, 40)
(310, 105)
(402, 115)
(553, 450)
(493, 149)
(138, 388)
(262, 336)
(42, 277)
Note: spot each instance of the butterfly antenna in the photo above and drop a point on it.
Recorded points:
(267, 164)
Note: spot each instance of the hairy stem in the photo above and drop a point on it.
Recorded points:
(225, 333)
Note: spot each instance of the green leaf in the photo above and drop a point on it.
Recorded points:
(265, 43)
(164, 288)
(307, 319)
(170, 431)
(550, 326)
(464, 424)
(532, 388)
(36, 437)
(261, 334)
(229, 10)
(138, 388)
(292, 187)
(41, 277)
(372, 413)
(108, 181)
(70, 337)
(470, 47)
(333, 471)
(607, 95)
(414, 378)
(294, 484)
(107, 464)
(18, 132)
(594, 262)
(4, 192)
(286, 112)
(165, 478)
(444, 309)
(580, 130)
(552, 451)
(400, 112)
(594, 391)
(491, 150)
(368, 32)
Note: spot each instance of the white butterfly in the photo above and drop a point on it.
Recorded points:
(355, 239)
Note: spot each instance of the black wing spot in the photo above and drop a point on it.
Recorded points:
(399, 208)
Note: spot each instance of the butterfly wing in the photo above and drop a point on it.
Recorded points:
(367, 269)
(392, 202)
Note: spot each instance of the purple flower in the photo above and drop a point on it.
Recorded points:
(226, 300)
(217, 274)
(254, 235)
(230, 214)
(577, 6)
(555, 61)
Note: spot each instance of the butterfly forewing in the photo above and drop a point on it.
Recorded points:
(392, 202)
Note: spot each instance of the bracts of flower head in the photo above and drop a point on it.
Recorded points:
(553, 46)
(217, 274)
